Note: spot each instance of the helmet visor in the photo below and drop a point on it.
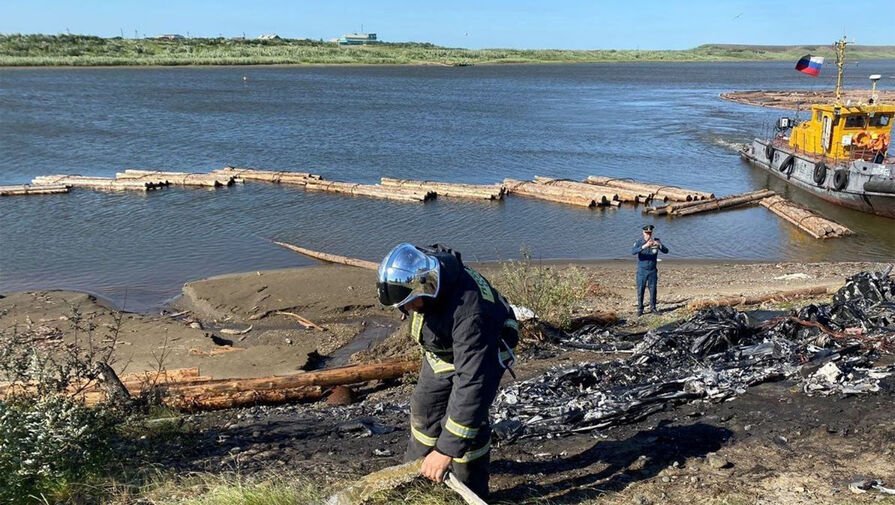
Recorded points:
(405, 275)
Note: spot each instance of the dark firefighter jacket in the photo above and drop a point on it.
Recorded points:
(466, 329)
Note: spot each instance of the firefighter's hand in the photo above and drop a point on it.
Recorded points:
(435, 465)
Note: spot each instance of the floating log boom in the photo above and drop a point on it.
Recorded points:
(554, 194)
(100, 183)
(448, 189)
(330, 258)
(28, 189)
(804, 219)
(276, 177)
(371, 190)
(178, 178)
(609, 193)
(698, 206)
(669, 192)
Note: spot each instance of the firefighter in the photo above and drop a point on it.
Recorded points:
(467, 332)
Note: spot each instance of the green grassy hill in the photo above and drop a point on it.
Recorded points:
(86, 50)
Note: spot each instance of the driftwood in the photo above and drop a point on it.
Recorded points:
(804, 219)
(779, 296)
(554, 194)
(330, 258)
(28, 189)
(670, 192)
(99, 183)
(448, 189)
(307, 323)
(622, 195)
(276, 177)
(371, 190)
(726, 202)
(116, 392)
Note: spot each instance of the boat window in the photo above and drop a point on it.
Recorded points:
(880, 120)
(854, 121)
(819, 114)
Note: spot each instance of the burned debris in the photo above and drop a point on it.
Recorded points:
(715, 355)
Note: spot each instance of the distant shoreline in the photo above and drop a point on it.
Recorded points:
(69, 51)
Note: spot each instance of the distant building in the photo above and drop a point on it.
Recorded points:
(170, 36)
(269, 36)
(237, 39)
(358, 39)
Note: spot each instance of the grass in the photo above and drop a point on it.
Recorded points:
(87, 50)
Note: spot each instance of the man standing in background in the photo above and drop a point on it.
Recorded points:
(647, 250)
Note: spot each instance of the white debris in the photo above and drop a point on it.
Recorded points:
(792, 277)
(523, 313)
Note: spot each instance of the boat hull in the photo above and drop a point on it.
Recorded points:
(799, 170)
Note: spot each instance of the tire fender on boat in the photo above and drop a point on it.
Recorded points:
(769, 153)
(820, 173)
(788, 163)
(840, 179)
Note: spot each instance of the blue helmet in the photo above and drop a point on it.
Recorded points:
(406, 274)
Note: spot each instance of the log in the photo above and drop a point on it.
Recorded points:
(722, 203)
(276, 177)
(330, 258)
(552, 194)
(670, 192)
(202, 402)
(371, 190)
(178, 178)
(28, 189)
(804, 219)
(622, 195)
(779, 296)
(307, 323)
(341, 376)
(98, 183)
(447, 189)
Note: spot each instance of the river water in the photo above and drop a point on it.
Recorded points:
(651, 121)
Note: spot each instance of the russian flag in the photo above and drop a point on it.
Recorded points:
(810, 65)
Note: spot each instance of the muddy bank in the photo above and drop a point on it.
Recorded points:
(801, 99)
(243, 309)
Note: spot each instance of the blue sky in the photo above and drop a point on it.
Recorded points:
(645, 24)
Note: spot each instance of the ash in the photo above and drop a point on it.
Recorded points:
(714, 356)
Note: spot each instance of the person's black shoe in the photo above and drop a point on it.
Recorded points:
(653, 310)
(639, 313)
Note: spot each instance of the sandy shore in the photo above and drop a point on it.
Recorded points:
(342, 300)
(801, 99)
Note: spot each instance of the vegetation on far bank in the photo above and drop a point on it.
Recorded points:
(88, 50)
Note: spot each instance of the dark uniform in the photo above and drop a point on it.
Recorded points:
(647, 273)
(467, 334)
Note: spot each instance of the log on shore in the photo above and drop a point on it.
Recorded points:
(234, 399)
(726, 202)
(28, 189)
(179, 178)
(98, 183)
(371, 190)
(780, 296)
(554, 194)
(622, 195)
(806, 220)
(330, 258)
(448, 189)
(276, 177)
(670, 192)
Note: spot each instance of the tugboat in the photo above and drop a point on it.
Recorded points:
(839, 154)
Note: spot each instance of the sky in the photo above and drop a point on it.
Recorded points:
(524, 24)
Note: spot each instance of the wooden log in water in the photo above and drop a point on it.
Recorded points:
(721, 203)
(98, 183)
(447, 189)
(806, 220)
(371, 190)
(179, 178)
(330, 258)
(29, 189)
(622, 195)
(779, 296)
(671, 192)
(554, 194)
(276, 177)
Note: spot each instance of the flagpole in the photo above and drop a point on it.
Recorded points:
(840, 63)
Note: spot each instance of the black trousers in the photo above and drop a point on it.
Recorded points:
(428, 413)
